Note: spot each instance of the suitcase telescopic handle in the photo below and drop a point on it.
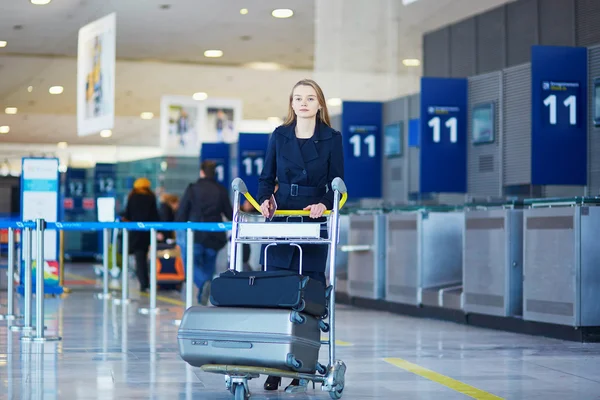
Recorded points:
(291, 244)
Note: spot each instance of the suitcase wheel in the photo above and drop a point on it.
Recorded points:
(292, 362)
(324, 326)
(321, 368)
(301, 306)
(240, 392)
(297, 318)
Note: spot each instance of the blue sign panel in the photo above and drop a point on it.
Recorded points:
(252, 148)
(105, 177)
(413, 132)
(219, 153)
(559, 115)
(75, 190)
(443, 135)
(361, 130)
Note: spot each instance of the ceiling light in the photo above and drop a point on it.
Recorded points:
(30, 89)
(264, 66)
(146, 115)
(200, 96)
(62, 145)
(334, 102)
(244, 11)
(213, 53)
(40, 2)
(411, 62)
(56, 90)
(282, 13)
(106, 133)
(4, 129)
(407, 2)
(11, 110)
(3, 43)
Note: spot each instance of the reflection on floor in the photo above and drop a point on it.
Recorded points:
(114, 352)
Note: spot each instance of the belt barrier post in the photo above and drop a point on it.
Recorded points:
(27, 240)
(124, 271)
(40, 226)
(105, 242)
(10, 312)
(152, 309)
(189, 268)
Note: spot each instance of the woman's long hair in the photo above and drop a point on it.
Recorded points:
(322, 114)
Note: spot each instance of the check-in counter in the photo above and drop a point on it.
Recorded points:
(561, 261)
(366, 254)
(493, 260)
(424, 256)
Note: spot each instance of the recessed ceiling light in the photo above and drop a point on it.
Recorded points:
(146, 115)
(3, 43)
(106, 133)
(411, 62)
(282, 13)
(11, 110)
(62, 145)
(200, 96)
(244, 11)
(30, 89)
(213, 53)
(264, 66)
(4, 129)
(334, 102)
(56, 90)
(40, 2)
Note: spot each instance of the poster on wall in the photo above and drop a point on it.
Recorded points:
(181, 125)
(223, 117)
(96, 53)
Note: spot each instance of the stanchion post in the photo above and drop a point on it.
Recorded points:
(10, 314)
(189, 268)
(40, 226)
(152, 309)
(124, 271)
(27, 240)
(105, 242)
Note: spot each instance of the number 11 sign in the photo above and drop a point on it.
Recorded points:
(560, 99)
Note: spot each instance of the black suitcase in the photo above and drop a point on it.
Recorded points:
(264, 289)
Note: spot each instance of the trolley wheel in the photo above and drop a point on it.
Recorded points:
(336, 394)
(240, 392)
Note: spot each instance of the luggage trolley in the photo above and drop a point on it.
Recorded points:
(332, 376)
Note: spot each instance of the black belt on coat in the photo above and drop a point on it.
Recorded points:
(298, 190)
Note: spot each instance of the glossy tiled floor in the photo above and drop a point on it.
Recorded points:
(108, 352)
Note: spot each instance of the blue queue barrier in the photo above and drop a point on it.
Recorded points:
(39, 226)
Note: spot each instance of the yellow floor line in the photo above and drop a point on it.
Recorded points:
(453, 384)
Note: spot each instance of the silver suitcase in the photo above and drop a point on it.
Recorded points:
(269, 338)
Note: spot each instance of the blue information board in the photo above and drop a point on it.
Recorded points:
(252, 148)
(105, 177)
(559, 77)
(443, 135)
(219, 153)
(363, 148)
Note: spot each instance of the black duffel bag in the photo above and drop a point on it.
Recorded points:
(264, 289)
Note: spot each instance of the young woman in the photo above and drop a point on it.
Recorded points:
(304, 155)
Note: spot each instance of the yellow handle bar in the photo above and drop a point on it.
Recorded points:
(249, 197)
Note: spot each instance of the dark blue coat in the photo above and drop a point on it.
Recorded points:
(304, 170)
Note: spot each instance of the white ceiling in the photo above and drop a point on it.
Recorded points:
(160, 52)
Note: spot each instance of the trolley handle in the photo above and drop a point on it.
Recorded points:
(337, 184)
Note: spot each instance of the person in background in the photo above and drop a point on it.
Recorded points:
(206, 200)
(141, 207)
(169, 203)
(305, 154)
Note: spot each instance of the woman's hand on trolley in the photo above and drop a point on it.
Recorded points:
(316, 210)
(265, 208)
